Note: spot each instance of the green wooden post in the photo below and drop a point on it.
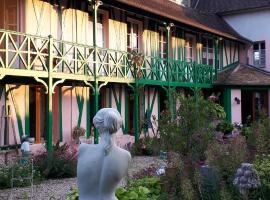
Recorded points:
(60, 113)
(7, 114)
(169, 95)
(227, 103)
(95, 5)
(50, 92)
(88, 123)
(96, 93)
(27, 123)
(126, 111)
(136, 108)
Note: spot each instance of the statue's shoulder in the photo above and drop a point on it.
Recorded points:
(124, 153)
(87, 147)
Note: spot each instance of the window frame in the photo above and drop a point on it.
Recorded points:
(162, 52)
(207, 48)
(192, 47)
(260, 64)
(139, 40)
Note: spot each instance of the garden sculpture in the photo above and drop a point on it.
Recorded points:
(246, 178)
(101, 167)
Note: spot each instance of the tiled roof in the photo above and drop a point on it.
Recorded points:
(243, 75)
(223, 6)
(165, 8)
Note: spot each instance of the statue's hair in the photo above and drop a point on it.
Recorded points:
(108, 121)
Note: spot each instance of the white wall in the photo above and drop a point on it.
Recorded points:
(253, 26)
(236, 108)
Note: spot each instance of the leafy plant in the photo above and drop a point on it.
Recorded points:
(190, 129)
(73, 194)
(225, 158)
(20, 171)
(225, 127)
(77, 132)
(148, 188)
(262, 165)
(258, 136)
(60, 164)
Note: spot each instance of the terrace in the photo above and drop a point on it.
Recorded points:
(42, 58)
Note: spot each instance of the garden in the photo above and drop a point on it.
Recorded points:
(204, 157)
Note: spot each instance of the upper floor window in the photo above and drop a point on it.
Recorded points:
(162, 43)
(9, 14)
(207, 51)
(259, 54)
(133, 35)
(189, 45)
(100, 30)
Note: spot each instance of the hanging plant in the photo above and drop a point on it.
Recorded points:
(77, 132)
(137, 61)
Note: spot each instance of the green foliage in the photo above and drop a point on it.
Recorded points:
(192, 126)
(226, 157)
(187, 190)
(225, 194)
(262, 165)
(148, 188)
(258, 136)
(20, 171)
(60, 164)
(73, 194)
(225, 126)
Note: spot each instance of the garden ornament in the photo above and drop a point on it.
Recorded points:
(246, 178)
(161, 171)
(101, 167)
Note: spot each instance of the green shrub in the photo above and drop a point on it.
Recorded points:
(226, 157)
(73, 194)
(148, 188)
(258, 137)
(262, 165)
(187, 190)
(190, 129)
(225, 127)
(20, 171)
(61, 163)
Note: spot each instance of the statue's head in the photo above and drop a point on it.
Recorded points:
(108, 120)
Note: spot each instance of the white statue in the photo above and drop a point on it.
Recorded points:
(102, 166)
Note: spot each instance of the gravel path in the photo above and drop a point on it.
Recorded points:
(58, 189)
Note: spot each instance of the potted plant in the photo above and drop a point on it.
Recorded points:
(77, 132)
(225, 127)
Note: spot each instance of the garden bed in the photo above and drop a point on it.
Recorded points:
(58, 189)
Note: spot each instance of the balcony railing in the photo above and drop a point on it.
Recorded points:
(28, 55)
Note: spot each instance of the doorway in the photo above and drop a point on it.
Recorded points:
(253, 104)
(37, 117)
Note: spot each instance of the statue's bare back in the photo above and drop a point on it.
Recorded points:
(101, 167)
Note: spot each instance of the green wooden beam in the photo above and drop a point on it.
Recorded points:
(234, 52)
(27, 115)
(16, 108)
(126, 111)
(226, 55)
(60, 105)
(49, 99)
(80, 103)
(88, 114)
(227, 103)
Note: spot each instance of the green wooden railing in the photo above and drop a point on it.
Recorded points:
(29, 55)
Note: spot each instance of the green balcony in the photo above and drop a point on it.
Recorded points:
(40, 57)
